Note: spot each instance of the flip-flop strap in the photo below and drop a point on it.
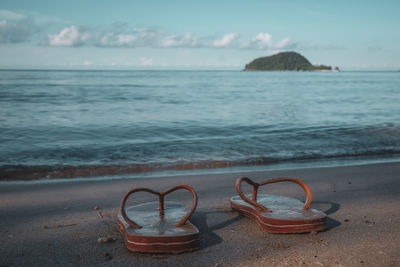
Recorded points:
(255, 185)
(194, 204)
(161, 203)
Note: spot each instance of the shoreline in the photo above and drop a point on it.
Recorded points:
(56, 223)
(203, 168)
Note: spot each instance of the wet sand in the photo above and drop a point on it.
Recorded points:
(60, 223)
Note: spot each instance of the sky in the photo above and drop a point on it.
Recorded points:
(197, 34)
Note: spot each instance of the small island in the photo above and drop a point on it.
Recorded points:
(285, 61)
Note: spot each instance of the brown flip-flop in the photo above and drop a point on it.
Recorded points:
(284, 214)
(159, 227)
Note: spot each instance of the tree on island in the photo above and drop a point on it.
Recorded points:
(284, 61)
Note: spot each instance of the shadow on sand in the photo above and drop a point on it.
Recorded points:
(328, 208)
(218, 220)
(224, 218)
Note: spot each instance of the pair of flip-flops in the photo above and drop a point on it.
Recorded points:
(163, 226)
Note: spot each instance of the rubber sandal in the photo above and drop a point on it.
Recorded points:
(284, 214)
(159, 227)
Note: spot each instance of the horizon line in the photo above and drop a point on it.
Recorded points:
(143, 68)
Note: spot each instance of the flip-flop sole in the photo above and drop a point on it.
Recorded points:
(286, 216)
(158, 233)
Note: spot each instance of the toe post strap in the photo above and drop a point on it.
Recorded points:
(256, 185)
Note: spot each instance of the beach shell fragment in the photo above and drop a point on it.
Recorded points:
(107, 239)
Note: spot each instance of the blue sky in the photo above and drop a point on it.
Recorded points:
(197, 34)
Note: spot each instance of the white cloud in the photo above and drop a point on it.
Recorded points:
(226, 40)
(106, 40)
(126, 39)
(261, 41)
(245, 45)
(87, 63)
(17, 28)
(146, 61)
(123, 36)
(187, 40)
(116, 40)
(264, 41)
(120, 37)
(285, 42)
(147, 37)
(70, 36)
(9, 15)
(16, 31)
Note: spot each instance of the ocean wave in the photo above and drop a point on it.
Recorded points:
(60, 124)
(21, 172)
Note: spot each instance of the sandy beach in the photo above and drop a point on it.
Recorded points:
(58, 224)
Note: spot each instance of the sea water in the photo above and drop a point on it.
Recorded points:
(68, 123)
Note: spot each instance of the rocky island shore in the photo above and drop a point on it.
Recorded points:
(285, 61)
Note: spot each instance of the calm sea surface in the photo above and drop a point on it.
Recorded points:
(91, 123)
